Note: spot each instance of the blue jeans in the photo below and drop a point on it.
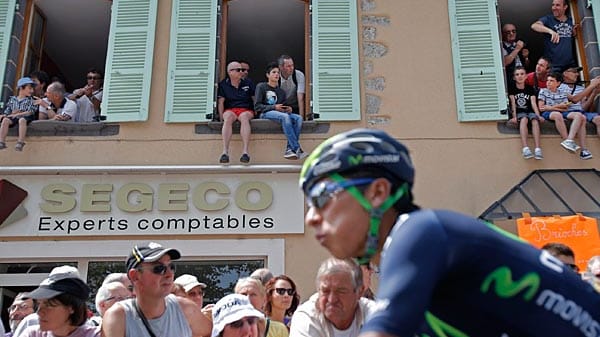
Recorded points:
(290, 123)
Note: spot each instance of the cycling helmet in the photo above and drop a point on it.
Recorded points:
(356, 150)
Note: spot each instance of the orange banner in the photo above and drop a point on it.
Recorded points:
(576, 231)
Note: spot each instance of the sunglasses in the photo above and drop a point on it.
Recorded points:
(282, 291)
(117, 298)
(94, 77)
(20, 307)
(240, 322)
(510, 31)
(239, 70)
(320, 195)
(159, 269)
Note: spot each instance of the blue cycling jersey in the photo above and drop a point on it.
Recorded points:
(447, 274)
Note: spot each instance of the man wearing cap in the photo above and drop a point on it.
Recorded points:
(578, 96)
(154, 311)
(234, 316)
(62, 307)
(193, 289)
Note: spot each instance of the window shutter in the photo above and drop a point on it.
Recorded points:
(191, 69)
(596, 13)
(7, 13)
(478, 71)
(336, 89)
(129, 60)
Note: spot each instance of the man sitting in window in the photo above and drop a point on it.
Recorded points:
(293, 83)
(235, 101)
(55, 106)
(89, 97)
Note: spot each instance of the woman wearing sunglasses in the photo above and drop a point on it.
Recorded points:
(234, 316)
(282, 299)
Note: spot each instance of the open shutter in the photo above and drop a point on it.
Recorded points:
(478, 72)
(7, 13)
(336, 89)
(191, 70)
(129, 60)
(596, 13)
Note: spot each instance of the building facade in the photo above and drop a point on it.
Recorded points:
(427, 72)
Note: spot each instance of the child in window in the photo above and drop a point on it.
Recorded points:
(523, 104)
(19, 110)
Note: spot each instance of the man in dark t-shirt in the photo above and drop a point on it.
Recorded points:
(441, 273)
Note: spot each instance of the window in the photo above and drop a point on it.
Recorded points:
(330, 43)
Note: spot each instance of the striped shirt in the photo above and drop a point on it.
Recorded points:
(553, 98)
(23, 105)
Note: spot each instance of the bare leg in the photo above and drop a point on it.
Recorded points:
(576, 124)
(560, 125)
(535, 130)
(228, 119)
(22, 129)
(6, 122)
(245, 129)
(523, 130)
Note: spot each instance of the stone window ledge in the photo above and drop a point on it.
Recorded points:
(546, 128)
(262, 126)
(57, 128)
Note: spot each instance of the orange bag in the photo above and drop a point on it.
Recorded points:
(576, 231)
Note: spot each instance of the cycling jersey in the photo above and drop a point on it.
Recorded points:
(447, 274)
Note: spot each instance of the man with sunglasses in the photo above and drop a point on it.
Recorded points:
(154, 312)
(441, 273)
(89, 97)
(514, 53)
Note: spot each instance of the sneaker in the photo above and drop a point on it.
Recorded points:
(224, 159)
(245, 158)
(19, 146)
(538, 153)
(585, 154)
(2, 145)
(569, 145)
(527, 153)
(301, 154)
(289, 154)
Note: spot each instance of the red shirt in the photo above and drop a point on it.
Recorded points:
(529, 81)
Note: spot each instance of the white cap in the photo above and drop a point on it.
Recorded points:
(231, 308)
(189, 282)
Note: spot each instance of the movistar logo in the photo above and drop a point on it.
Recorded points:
(505, 287)
(441, 328)
(355, 160)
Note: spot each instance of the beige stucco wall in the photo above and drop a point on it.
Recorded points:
(462, 166)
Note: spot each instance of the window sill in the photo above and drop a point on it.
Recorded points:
(57, 128)
(546, 128)
(261, 126)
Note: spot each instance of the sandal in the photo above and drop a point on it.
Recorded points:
(2, 145)
(245, 158)
(19, 146)
(224, 159)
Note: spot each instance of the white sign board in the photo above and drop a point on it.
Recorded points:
(150, 204)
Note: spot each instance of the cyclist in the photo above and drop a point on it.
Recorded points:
(442, 273)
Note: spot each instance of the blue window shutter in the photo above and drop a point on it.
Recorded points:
(336, 87)
(191, 69)
(596, 13)
(129, 60)
(7, 14)
(478, 72)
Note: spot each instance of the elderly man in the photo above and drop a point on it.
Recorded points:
(121, 278)
(107, 295)
(154, 311)
(55, 106)
(192, 287)
(293, 83)
(514, 53)
(337, 309)
(19, 309)
(559, 32)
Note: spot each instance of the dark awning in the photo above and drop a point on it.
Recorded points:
(550, 192)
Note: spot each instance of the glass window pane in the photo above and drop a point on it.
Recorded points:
(33, 267)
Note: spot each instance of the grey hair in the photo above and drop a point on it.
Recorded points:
(104, 292)
(347, 266)
(249, 280)
(57, 87)
(114, 277)
(262, 274)
(282, 58)
(594, 260)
